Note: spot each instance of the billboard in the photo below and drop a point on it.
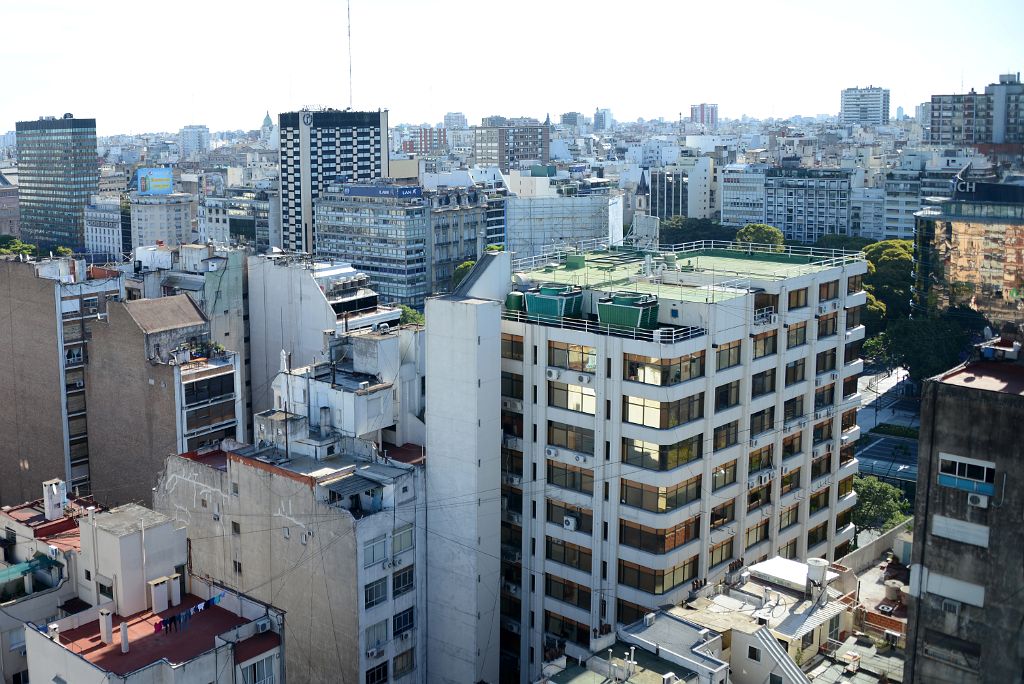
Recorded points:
(400, 191)
(156, 181)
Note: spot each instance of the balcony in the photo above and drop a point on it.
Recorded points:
(510, 441)
(855, 334)
(514, 479)
(855, 367)
(662, 335)
(512, 404)
(511, 554)
(851, 435)
(514, 517)
(766, 318)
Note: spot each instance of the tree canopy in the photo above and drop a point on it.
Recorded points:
(461, 271)
(880, 506)
(890, 263)
(410, 316)
(12, 245)
(925, 346)
(761, 234)
(844, 242)
(680, 229)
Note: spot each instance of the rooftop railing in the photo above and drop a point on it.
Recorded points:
(665, 335)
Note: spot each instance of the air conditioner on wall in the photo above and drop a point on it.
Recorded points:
(977, 500)
(550, 451)
(553, 374)
(570, 523)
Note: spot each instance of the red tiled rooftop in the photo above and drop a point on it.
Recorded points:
(991, 376)
(147, 646)
(254, 645)
(412, 454)
(215, 459)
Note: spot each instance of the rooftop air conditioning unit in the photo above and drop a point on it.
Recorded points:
(553, 373)
(977, 500)
(550, 452)
(262, 625)
(570, 523)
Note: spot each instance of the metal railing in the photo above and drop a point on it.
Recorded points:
(662, 335)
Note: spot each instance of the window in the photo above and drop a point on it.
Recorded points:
(824, 397)
(845, 486)
(402, 622)
(575, 357)
(375, 592)
(566, 553)
(825, 361)
(792, 445)
(723, 514)
(729, 354)
(659, 499)
(777, 679)
(377, 634)
(758, 496)
(558, 510)
(237, 566)
(967, 474)
(828, 291)
(571, 437)
(828, 325)
(762, 383)
(402, 581)
(656, 581)
(757, 533)
(790, 481)
(854, 284)
(377, 674)
(795, 371)
(798, 298)
(660, 456)
(659, 541)
(724, 475)
(236, 528)
(726, 435)
(566, 628)
(511, 347)
(402, 539)
(511, 385)
(819, 500)
(662, 414)
(822, 432)
(719, 553)
(628, 613)
(727, 396)
(567, 592)
(760, 459)
(789, 516)
(570, 477)
(765, 344)
(853, 316)
(404, 663)
(572, 398)
(654, 371)
(793, 408)
(373, 551)
(762, 421)
(260, 672)
(788, 550)
(817, 535)
(796, 335)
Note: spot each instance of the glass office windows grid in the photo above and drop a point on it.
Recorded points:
(726, 435)
(660, 456)
(571, 437)
(663, 372)
(796, 335)
(659, 499)
(572, 397)
(662, 414)
(658, 541)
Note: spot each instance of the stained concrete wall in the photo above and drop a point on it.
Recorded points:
(983, 425)
(31, 418)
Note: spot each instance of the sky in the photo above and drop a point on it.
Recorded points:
(141, 66)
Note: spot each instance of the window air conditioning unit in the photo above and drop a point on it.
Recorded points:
(977, 500)
(373, 653)
(785, 469)
(550, 451)
(406, 635)
(751, 483)
(569, 522)
(583, 379)
(553, 373)
(262, 625)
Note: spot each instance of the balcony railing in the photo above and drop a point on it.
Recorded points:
(663, 335)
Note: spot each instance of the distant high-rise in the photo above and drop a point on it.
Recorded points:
(455, 120)
(323, 147)
(510, 146)
(572, 119)
(706, 114)
(57, 175)
(193, 141)
(995, 116)
(865, 106)
(603, 120)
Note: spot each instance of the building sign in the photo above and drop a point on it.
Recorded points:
(156, 182)
(399, 191)
(966, 186)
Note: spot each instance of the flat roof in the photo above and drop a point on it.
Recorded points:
(990, 376)
(146, 645)
(129, 518)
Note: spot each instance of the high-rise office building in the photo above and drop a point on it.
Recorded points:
(58, 174)
(705, 114)
(455, 120)
(507, 147)
(806, 204)
(995, 116)
(664, 420)
(603, 120)
(193, 141)
(319, 148)
(864, 106)
(965, 616)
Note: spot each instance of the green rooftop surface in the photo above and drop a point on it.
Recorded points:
(714, 274)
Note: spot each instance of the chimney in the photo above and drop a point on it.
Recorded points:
(106, 626)
(124, 637)
(55, 497)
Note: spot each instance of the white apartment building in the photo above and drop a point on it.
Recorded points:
(806, 204)
(867, 212)
(664, 420)
(742, 193)
(194, 141)
(169, 219)
(865, 106)
(103, 227)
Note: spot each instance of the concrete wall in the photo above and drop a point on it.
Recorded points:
(32, 449)
(463, 438)
(865, 556)
(132, 409)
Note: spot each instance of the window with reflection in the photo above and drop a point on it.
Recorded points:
(760, 459)
(726, 435)
(828, 325)
(795, 371)
(723, 513)
(652, 456)
(570, 477)
(727, 395)
(658, 581)
(792, 445)
(765, 344)
(762, 383)
(663, 372)
(720, 553)
(570, 437)
(729, 354)
(796, 335)
(575, 357)
(659, 499)
(757, 533)
(762, 421)
(797, 298)
(793, 408)
(723, 475)
(658, 541)
(828, 291)
(511, 347)
(572, 397)
(662, 414)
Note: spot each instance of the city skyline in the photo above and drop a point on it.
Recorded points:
(712, 68)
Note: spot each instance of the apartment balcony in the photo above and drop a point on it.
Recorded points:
(855, 334)
(852, 435)
(846, 502)
(826, 377)
(844, 534)
(513, 442)
(512, 404)
(511, 554)
(821, 449)
(513, 479)
(765, 319)
(514, 517)
(856, 299)
(855, 367)
(72, 361)
(793, 425)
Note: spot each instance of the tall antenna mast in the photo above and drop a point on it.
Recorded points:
(349, 6)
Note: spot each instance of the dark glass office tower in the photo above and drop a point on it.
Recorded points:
(58, 173)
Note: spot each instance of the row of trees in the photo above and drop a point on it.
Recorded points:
(10, 245)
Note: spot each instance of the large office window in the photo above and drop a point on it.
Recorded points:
(655, 371)
(795, 371)
(661, 456)
(575, 357)
(563, 552)
(572, 398)
(762, 383)
(727, 395)
(796, 335)
(658, 581)
(793, 408)
(570, 477)
(798, 299)
(571, 437)
(659, 541)
(659, 499)
(720, 553)
(511, 347)
(662, 414)
(765, 344)
(762, 421)
(726, 435)
(729, 355)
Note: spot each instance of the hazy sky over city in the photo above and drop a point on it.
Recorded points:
(156, 66)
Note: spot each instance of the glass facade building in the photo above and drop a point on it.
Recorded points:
(58, 174)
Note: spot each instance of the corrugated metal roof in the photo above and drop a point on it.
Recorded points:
(351, 484)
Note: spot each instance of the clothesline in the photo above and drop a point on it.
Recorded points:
(180, 621)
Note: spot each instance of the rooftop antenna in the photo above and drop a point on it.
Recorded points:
(348, 5)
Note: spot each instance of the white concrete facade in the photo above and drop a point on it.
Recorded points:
(742, 193)
(169, 219)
